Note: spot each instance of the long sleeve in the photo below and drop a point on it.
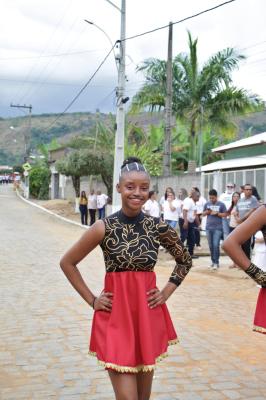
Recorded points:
(170, 240)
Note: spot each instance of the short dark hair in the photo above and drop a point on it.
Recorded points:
(213, 192)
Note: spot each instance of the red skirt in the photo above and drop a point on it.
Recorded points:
(133, 337)
(260, 313)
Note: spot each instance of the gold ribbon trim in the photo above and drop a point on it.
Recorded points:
(259, 329)
(138, 368)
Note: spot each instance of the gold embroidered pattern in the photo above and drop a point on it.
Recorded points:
(134, 246)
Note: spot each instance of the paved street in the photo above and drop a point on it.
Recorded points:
(45, 325)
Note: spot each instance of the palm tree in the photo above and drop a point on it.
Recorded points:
(201, 96)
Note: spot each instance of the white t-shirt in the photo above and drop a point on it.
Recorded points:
(101, 200)
(190, 206)
(92, 201)
(151, 207)
(259, 257)
(226, 198)
(200, 204)
(168, 213)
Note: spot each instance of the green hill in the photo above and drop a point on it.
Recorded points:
(43, 129)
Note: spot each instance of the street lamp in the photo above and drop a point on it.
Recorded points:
(106, 35)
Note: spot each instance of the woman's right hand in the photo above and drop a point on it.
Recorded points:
(104, 302)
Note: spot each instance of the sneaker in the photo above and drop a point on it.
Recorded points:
(210, 266)
(215, 266)
(161, 248)
(199, 247)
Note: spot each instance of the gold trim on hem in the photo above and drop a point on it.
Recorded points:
(259, 329)
(138, 368)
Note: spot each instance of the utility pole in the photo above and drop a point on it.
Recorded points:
(168, 106)
(120, 112)
(27, 134)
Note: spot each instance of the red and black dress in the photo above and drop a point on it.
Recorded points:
(260, 313)
(133, 337)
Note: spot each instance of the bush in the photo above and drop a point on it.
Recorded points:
(39, 182)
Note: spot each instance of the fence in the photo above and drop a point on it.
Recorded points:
(218, 179)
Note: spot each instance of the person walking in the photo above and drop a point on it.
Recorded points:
(101, 203)
(83, 208)
(215, 211)
(131, 326)
(233, 246)
(151, 207)
(172, 209)
(244, 208)
(92, 206)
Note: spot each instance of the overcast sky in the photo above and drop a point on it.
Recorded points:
(48, 52)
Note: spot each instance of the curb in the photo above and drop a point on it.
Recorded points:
(51, 212)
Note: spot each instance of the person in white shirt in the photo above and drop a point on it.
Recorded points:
(151, 207)
(226, 198)
(259, 256)
(172, 210)
(190, 221)
(200, 205)
(92, 206)
(101, 203)
(163, 198)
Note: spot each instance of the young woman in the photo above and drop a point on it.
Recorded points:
(172, 209)
(131, 326)
(232, 217)
(83, 208)
(232, 245)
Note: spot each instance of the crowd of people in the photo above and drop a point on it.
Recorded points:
(185, 211)
(92, 204)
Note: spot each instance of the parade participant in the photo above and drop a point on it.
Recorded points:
(131, 327)
(83, 208)
(233, 247)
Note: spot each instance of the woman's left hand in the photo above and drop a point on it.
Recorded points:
(155, 298)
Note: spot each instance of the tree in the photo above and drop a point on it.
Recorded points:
(201, 96)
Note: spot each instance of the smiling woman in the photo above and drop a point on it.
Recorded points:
(131, 328)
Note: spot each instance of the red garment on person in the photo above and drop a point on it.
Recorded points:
(260, 313)
(133, 337)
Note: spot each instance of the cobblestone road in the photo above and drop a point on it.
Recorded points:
(45, 325)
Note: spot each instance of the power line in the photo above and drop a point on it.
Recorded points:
(133, 37)
(82, 89)
(50, 55)
(181, 20)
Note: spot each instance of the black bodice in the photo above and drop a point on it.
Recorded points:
(132, 244)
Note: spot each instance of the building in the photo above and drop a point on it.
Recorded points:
(244, 161)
